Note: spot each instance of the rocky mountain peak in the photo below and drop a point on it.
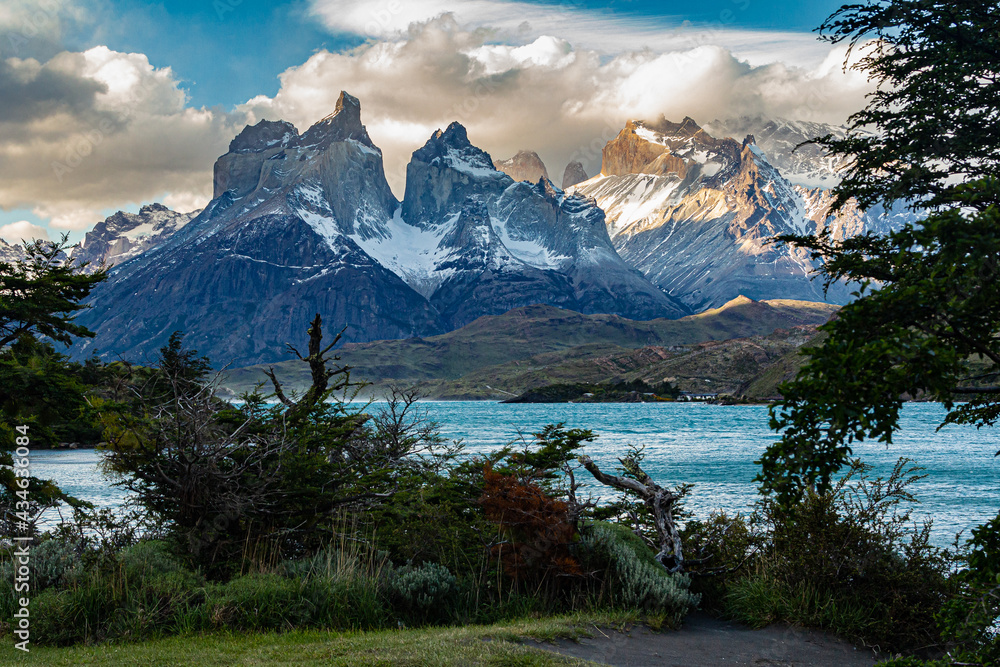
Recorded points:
(443, 172)
(525, 166)
(665, 148)
(749, 139)
(154, 208)
(342, 125)
(349, 105)
(547, 188)
(454, 148)
(262, 136)
(10, 252)
(807, 165)
(574, 174)
(123, 235)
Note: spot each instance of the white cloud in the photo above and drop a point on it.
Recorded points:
(604, 31)
(23, 230)
(188, 201)
(85, 132)
(547, 95)
(81, 133)
(36, 27)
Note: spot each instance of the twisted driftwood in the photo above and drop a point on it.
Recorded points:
(660, 502)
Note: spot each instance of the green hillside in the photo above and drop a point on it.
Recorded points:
(526, 341)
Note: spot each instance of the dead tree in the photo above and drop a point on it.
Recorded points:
(321, 374)
(660, 502)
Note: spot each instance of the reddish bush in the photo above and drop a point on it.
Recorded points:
(539, 530)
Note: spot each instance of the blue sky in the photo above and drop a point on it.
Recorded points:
(131, 102)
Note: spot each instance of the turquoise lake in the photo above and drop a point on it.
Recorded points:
(713, 447)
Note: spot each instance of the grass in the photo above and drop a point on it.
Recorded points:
(488, 645)
(758, 602)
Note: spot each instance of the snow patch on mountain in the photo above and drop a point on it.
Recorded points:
(412, 253)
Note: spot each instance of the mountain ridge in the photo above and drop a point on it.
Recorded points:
(522, 333)
(696, 214)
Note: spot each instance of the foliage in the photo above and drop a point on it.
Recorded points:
(539, 530)
(41, 292)
(849, 561)
(632, 577)
(145, 592)
(928, 137)
(258, 478)
(271, 602)
(39, 296)
(53, 563)
(935, 118)
(969, 619)
(633, 510)
(932, 330)
(43, 389)
(720, 548)
(595, 393)
(547, 457)
(426, 593)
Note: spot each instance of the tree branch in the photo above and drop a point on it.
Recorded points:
(660, 502)
(278, 391)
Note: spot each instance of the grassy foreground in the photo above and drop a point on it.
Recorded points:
(487, 645)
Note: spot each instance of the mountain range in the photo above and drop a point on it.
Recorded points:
(696, 213)
(677, 221)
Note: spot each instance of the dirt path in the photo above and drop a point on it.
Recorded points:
(709, 642)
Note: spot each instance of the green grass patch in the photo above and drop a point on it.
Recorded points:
(507, 644)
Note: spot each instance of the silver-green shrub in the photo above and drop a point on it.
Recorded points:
(54, 563)
(634, 582)
(426, 593)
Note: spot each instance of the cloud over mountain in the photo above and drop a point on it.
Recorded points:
(547, 95)
(84, 132)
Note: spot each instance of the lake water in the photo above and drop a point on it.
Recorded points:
(713, 447)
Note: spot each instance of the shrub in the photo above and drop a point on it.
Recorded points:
(632, 577)
(719, 549)
(427, 593)
(540, 530)
(261, 602)
(850, 562)
(146, 592)
(54, 563)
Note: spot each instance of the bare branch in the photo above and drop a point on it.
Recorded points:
(660, 502)
(278, 391)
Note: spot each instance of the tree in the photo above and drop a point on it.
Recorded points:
(39, 388)
(255, 481)
(932, 329)
(934, 119)
(46, 391)
(662, 504)
(927, 318)
(40, 294)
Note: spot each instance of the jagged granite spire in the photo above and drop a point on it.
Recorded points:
(454, 146)
(443, 172)
(574, 174)
(262, 136)
(343, 124)
(525, 166)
